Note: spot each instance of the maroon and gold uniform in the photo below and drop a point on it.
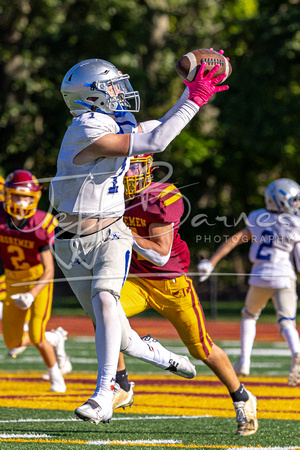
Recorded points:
(2, 288)
(20, 249)
(166, 289)
(2, 276)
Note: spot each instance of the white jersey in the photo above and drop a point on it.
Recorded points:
(272, 243)
(94, 189)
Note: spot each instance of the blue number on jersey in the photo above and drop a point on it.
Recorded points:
(267, 237)
(115, 188)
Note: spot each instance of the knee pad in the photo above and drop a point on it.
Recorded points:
(248, 315)
(284, 323)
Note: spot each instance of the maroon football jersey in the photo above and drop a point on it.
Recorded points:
(158, 203)
(20, 248)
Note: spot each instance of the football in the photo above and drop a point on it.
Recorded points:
(187, 67)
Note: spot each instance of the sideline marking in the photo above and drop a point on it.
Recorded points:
(154, 443)
(113, 418)
(25, 435)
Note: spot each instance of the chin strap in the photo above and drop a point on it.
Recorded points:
(118, 113)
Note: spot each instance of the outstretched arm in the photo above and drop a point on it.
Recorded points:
(118, 145)
(206, 266)
(200, 91)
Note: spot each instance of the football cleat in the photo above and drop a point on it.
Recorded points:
(63, 360)
(242, 369)
(122, 398)
(65, 370)
(294, 375)
(14, 352)
(58, 385)
(67, 366)
(91, 412)
(179, 365)
(182, 366)
(246, 416)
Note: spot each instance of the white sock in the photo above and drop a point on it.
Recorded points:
(54, 372)
(52, 338)
(291, 336)
(108, 344)
(248, 333)
(154, 353)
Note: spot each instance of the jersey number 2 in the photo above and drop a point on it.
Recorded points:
(19, 260)
(267, 237)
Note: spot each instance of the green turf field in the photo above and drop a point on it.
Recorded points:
(54, 427)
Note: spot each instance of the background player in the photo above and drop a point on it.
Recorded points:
(158, 279)
(274, 233)
(93, 245)
(2, 276)
(25, 236)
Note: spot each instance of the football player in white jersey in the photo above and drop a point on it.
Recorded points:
(93, 245)
(274, 234)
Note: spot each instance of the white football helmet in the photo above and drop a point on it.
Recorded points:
(85, 88)
(283, 195)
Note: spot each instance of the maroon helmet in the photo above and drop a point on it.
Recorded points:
(21, 183)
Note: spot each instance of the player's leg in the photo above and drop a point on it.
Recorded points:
(285, 303)
(256, 300)
(26, 342)
(134, 301)
(40, 315)
(123, 390)
(148, 349)
(177, 300)
(105, 256)
(57, 339)
(2, 293)
(12, 322)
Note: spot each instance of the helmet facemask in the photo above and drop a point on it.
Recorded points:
(118, 93)
(138, 176)
(97, 85)
(20, 209)
(2, 181)
(22, 184)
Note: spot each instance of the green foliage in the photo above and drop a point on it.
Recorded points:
(237, 144)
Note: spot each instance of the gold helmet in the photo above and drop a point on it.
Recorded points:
(21, 182)
(2, 181)
(138, 176)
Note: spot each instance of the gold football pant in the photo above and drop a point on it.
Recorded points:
(177, 301)
(37, 315)
(2, 288)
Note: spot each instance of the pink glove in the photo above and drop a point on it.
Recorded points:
(203, 87)
(221, 52)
